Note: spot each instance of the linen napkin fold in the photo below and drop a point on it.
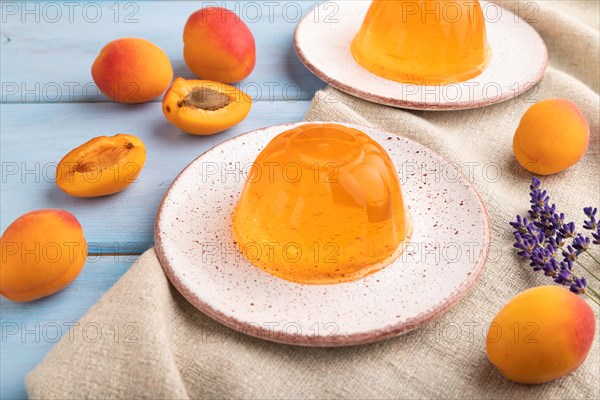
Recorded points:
(154, 344)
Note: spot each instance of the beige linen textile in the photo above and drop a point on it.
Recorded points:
(177, 352)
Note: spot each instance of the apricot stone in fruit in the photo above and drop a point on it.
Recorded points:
(553, 135)
(132, 70)
(101, 166)
(542, 334)
(41, 253)
(204, 107)
(218, 45)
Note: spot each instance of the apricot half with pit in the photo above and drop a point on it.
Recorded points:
(202, 107)
(41, 253)
(102, 166)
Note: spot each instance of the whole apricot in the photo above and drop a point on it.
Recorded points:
(101, 166)
(41, 253)
(218, 45)
(552, 136)
(204, 107)
(542, 334)
(132, 70)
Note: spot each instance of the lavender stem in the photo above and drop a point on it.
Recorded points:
(589, 253)
(587, 270)
(593, 291)
(593, 299)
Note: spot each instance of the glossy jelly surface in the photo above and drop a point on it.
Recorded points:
(321, 204)
(425, 42)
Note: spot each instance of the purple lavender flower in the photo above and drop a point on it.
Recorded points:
(568, 230)
(566, 264)
(525, 246)
(590, 224)
(596, 236)
(547, 213)
(520, 224)
(569, 253)
(551, 268)
(543, 239)
(558, 220)
(564, 277)
(539, 258)
(578, 286)
(546, 220)
(539, 197)
(581, 243)
(557, 240)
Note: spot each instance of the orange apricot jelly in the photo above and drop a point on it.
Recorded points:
(321, 204)
(425, 42)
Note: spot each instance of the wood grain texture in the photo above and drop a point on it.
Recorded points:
(50, 105)
(48, 51)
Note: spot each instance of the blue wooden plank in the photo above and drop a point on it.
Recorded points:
(49, 61)
(48, 48)
(29, 330)
(36, 136)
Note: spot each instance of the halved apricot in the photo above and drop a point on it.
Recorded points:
(102, 166)
(203, 107)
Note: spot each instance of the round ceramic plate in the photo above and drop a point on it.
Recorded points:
(519, 60)
(442, 261)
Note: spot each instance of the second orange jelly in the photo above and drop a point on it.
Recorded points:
(425, 42)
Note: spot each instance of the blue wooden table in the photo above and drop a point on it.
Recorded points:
(50, 105)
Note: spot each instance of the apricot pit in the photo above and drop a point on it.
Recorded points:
(206, 99)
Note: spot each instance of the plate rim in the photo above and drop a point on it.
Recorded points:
(417, 105)
(371, 336)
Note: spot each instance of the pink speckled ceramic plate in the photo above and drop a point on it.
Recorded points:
(442, 261)
(519, 60)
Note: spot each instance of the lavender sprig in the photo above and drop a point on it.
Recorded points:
(590, 224)
(552, 245)
(596, 236)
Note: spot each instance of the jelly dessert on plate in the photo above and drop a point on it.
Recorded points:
(425, 42)
(321, 204)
